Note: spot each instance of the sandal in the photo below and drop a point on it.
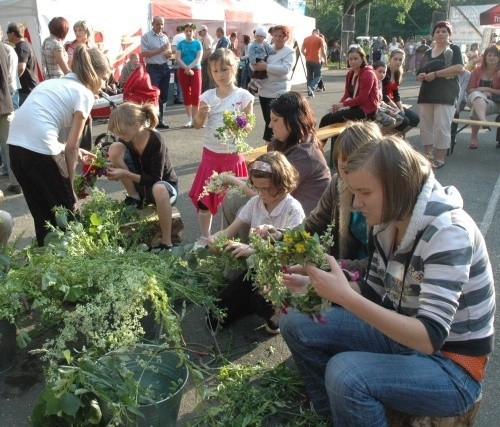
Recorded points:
(438, 164)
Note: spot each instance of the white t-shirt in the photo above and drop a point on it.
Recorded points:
(177, 38)
(393, 46)
(214, 119)
(48, 109)
(287, 214)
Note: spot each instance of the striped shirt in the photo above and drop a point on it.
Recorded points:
(440, 274)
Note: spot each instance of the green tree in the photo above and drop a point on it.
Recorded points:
(387, 17)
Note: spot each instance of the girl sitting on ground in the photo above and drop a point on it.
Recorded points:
(140, 160)
(272, 177)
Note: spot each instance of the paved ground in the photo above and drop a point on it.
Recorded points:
(474, 172)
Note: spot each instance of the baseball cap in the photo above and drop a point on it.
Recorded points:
(203, 27)
(261, 31)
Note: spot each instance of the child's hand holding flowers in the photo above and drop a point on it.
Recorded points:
(236, 126)
(272, 258)
(220, 183)
(332, 285)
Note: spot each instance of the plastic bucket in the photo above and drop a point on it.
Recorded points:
(163, 370)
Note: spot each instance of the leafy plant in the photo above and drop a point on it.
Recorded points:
(251, 395)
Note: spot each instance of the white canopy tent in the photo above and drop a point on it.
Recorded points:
(117, 28)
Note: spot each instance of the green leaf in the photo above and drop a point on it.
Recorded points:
(23, 339)
(53, 406)
(67, 356)
(49, 279)
(70, 404)
(96, 219)
(94, 414)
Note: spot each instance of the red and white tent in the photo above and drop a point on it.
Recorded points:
(490, 17)
(117, 28)
(240, 16)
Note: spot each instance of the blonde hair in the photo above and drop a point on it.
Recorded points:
(130, 114)
(283, 175)
(401, 170)
(86, 27)
(91, 67)
(225, 57)
(354, 135)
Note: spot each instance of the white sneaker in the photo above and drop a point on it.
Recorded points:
(202, 242)
(189, 124)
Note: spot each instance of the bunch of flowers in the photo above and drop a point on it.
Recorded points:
(92, 168)
(229, 261)
(236, 126)
(271, 258)
(217, 184)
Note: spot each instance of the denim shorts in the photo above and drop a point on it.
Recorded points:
(140, 189)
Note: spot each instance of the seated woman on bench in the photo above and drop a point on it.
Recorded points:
(361, 96)
(484, 91)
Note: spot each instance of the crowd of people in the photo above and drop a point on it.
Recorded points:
(410, 283)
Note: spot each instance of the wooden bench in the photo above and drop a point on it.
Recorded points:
(455, 130)
(256, 152)
(330, 131)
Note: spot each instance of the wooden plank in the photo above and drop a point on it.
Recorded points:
(256, 152)
(326, 132)
(476, 122)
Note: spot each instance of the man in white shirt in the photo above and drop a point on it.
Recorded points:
(156, 51)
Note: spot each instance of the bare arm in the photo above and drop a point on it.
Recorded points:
(21, 68)
(73, 143)
(165, 49)
(63, 65)
(334, 286)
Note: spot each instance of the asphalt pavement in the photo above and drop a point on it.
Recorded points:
(476, 173)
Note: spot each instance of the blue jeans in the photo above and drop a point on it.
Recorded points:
(160, 77)
(351, 371)
(313, 74)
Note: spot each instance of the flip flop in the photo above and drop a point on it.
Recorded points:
(473, 146)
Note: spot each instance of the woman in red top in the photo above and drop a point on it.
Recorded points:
(361, 97)
(484, 90)
(390, 90)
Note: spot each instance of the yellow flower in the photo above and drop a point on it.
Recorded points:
(300, 248)
(287, 238)
(306, 234)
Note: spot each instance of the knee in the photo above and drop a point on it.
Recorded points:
(116, 152)
(343, 375)
(290, 324)
(161, 194)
